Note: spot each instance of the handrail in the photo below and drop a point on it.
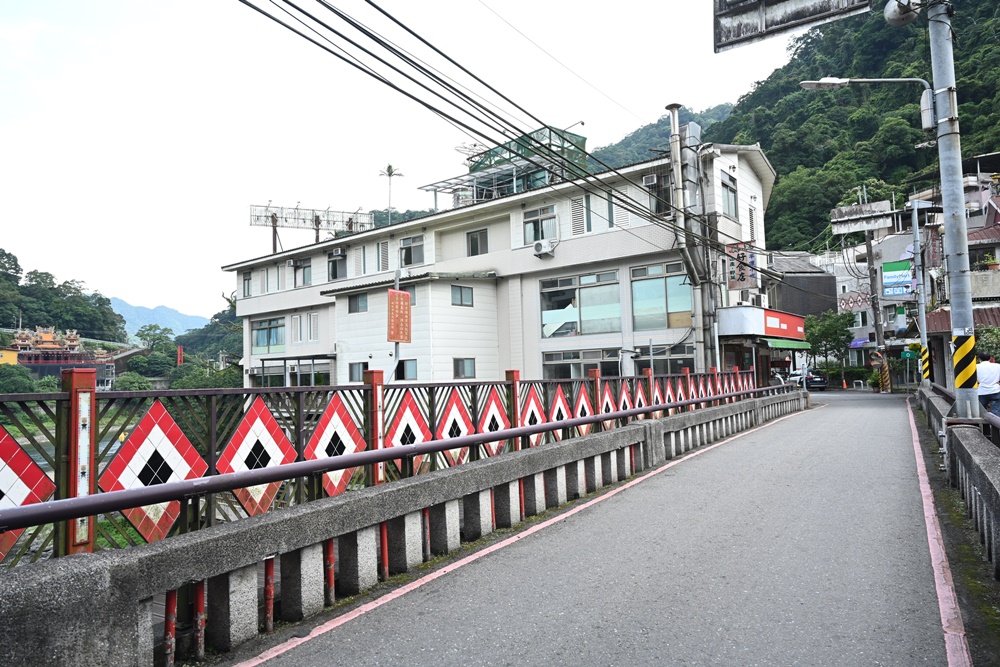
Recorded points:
(73, 508)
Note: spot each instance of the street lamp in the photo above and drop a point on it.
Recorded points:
(928, 112)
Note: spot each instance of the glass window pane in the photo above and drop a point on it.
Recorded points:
(678, 295)
(649, 305)
(559, 313)
(600, 309)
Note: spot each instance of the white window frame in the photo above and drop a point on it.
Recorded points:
(542, 224)
(312, 328)
(403, 368)
(460, 291)
(730, 196)
(356, 370)
(296, 329)
(411, 250)
(247, 283)
(482, 237)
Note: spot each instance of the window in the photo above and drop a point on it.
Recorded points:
(660, 300)
(461, 296)
(861, 318)
(584, 304)
(357, 303)
(617, 213)
(336, 267)
(666, 360)
(575, 363)
(303, 272)
(477, 243)
(247, 281)
(383, 255)
(268, 336)
(752, 216)
(406, 369)
(270, 279)
(729, 207)
(411, 250)
(360, 261)
(313, 331)
(539, 224)
(660, 195)
(464, 368)
(355, 372)
(296, 328)
(580, 209)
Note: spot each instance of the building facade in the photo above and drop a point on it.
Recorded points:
(551, 276)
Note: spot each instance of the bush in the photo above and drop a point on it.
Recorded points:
(130, 381)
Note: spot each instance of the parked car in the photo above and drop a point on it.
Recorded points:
(815, 379)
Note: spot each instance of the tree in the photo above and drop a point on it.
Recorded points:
(129, 381)
(10, 268)
(47, 384)
(829, 334)
(15, 379)
(391, 173)
(153, 336)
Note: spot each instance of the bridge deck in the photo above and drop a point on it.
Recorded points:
(802, 542)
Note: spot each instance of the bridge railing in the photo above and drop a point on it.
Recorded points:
(343, 543)
(142, 439)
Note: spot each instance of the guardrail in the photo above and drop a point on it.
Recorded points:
(336, 545)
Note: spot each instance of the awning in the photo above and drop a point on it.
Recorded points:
(858, 343)
(782, 344)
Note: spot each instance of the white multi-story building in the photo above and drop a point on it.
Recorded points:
(531, 271)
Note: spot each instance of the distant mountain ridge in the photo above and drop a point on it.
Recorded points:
(137, 317)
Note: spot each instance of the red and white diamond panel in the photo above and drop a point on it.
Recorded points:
(408, 427)
(336, 434)
(258, 443)
(456, 422)
(22, 482)
(494, 418)
(583, 408)
(559, 411)
(533, 414)
(155, 452)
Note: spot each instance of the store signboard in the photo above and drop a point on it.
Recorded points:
(897, 278)
(738, 22)
(742, 265)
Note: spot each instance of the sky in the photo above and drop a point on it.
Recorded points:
(135, 135)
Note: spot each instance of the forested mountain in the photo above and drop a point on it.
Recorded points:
(34, 299)
(137, 317)
(824, 144)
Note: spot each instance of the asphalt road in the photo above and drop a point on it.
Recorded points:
(801, 543)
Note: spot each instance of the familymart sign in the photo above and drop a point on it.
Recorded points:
(897, 278)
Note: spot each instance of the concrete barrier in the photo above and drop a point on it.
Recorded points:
(97, 608)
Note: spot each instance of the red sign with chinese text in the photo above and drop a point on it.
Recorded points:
(786, 325)
(399, 316)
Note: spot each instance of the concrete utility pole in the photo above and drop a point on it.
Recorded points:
(918, 265)
(956, 242)
(873, 286)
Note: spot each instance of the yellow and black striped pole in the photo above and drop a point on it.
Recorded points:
(925, 363)
(964, 359)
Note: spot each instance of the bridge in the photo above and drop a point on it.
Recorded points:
(686, 520)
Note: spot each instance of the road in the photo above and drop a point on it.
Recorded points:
(800, 543)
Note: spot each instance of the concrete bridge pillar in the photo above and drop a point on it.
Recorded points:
(623, 463)
(534, 494)
(232, 606)
(609, 468)
(444, 527)
(576, 480)
(478, 515)
(507, 504)
(302, 583)
(406, 549)
(358, 560)
(594, 467)
(555, 487)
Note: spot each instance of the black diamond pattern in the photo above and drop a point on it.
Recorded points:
(560, 416)
(532, 420)
(156, 470)
(336, 446)
(455, 430)
(258, 456)
(408, 437)
(494, 424)
(2, 494)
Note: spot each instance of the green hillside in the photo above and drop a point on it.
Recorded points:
(824, 143)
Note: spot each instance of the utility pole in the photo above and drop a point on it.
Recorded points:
(873, 286)
(918, 266)
(956, 242)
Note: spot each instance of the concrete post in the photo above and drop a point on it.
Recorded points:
(478, 515)
(623, 463)
(534, 494)
(302, 583)
(507, 504)
(555, 487)
(358, 560)
(406, 549)
(444, 528)
(232, 606)
(576, 480)
(594, 468)
(609, 466)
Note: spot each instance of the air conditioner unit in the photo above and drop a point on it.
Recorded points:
(744, 295)
(336, 252)
(649, 179)
(290, 263)
(544, 247)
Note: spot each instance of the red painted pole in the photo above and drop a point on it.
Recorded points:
(384, 569)
(199, 620)
(269, 595)
(170, 628)
(330, 562)
(427, 534)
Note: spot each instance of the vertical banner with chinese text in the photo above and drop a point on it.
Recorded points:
(399, 316)
(742, 263)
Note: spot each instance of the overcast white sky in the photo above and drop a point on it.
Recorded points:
(135, 135)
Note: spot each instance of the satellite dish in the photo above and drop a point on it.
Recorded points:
(901, 12)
